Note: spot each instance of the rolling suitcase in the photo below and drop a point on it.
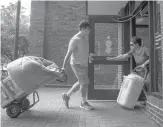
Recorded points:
(130, 90)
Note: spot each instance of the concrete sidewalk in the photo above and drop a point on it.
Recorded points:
(50, 112)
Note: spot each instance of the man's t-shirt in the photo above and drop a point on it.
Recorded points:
(80, 53)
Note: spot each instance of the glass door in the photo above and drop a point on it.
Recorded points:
(106, 39)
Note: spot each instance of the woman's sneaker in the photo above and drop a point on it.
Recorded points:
(86, 106)
(65, 99)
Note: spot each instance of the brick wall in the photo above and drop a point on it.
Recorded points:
(36, 33)
(154, 108)
(120, 51)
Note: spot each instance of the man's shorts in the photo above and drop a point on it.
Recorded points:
(81, 73)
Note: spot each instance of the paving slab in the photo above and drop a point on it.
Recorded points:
(50, 112)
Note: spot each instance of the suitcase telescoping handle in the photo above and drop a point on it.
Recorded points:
(145, 76)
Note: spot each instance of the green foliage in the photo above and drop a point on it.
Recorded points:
(8, 30)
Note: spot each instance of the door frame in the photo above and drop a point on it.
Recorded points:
(99, 94)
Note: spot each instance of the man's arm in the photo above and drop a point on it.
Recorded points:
(71, 47)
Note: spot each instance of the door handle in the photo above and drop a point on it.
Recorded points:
(90, 59)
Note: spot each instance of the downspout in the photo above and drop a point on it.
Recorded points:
(45, 31)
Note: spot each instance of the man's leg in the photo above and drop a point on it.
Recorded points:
(74, 88)
(83, 80)
(82, 76)
(66, 96)
(83, 89)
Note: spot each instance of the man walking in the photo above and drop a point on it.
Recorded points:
(78, 52)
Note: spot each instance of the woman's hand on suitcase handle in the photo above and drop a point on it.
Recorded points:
(140, 66)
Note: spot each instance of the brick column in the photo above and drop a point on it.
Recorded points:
(161, 14)
(36, 31)
(120, 52)
(120, 47)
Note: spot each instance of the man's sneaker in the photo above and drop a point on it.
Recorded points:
(86, 106)
(65, 99)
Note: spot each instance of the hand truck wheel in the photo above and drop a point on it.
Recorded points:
(13, 110)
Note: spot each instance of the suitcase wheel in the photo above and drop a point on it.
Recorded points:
(13, 110)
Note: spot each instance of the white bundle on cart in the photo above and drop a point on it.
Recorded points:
(26, 75)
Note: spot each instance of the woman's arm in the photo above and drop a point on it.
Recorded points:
(147, 62)
(144, 64)
(121, 57)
